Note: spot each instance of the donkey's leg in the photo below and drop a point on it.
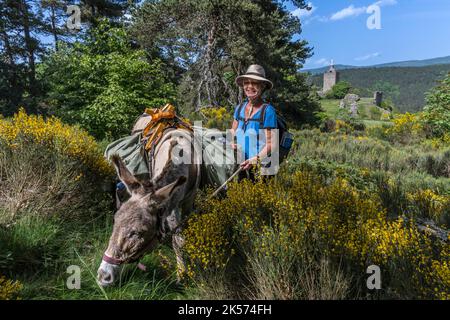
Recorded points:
(173, 220)
(177, 243)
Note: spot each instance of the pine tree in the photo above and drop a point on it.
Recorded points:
(94, 10)
(54, 19)
(20, 46)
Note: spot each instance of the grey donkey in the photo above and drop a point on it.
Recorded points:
(155, 208)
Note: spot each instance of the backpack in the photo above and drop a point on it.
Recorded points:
(285, 138)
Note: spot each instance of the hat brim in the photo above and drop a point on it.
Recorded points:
(240, 79)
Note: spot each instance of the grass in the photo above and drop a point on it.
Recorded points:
(330, 106)
(368, 113)
(42, 251)
(376, 123)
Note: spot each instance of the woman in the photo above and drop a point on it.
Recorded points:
(254, 119)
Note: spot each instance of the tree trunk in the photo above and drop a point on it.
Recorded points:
(8, 50)
(207, 82)
(29, 47)
(53, 21)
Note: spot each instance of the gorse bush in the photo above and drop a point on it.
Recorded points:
(299, 220)
(431, 205)
(218, 118)
(393, 172)
(436, 114)
(48, 168)
(58, 137)
(9, 289)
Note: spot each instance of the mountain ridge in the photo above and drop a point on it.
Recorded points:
(406, 63)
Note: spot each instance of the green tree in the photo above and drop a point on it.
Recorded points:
(103, 83)
(436, 113)
(20, 48)
(210, 42)
(54, 19)
(93, 11)
(389, 90)
(339, 90)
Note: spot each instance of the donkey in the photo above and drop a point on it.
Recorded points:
(156, 207)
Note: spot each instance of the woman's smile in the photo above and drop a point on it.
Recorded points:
(252, 89)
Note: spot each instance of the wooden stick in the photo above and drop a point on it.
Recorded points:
(225, 183)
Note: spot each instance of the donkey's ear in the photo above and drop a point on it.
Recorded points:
(165, 192)
(125, 175)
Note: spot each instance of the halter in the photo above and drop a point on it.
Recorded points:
(118, 262)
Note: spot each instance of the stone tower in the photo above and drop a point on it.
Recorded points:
(378, 98)
(330, 78)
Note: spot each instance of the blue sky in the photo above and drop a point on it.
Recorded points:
(410, 30)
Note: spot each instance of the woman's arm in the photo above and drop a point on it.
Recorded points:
(233, 129)
(268, 147)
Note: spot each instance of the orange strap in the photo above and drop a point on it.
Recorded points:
(161, 119)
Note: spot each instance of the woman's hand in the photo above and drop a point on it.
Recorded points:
(247, 164)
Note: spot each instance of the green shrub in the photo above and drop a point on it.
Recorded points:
(339, 90)
(436, 114)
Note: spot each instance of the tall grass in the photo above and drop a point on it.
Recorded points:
(396, 173)
(372, 154)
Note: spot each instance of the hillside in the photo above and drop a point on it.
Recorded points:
(405, 86)
(409, 63)
(368, 113)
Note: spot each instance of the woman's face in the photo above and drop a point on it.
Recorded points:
(253, 89)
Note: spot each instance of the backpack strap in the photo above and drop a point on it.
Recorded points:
(240, 118)
(263, 114)
(261, 117)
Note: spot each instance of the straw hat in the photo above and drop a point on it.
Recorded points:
(255, 72)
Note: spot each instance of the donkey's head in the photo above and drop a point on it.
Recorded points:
(137, 223)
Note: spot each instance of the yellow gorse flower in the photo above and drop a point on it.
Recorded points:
(298, 215)
(64, 139)
(9, 288)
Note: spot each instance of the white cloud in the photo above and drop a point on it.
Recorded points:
(382, 3)
(303, 13)
(368, 56)
(351, 11)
